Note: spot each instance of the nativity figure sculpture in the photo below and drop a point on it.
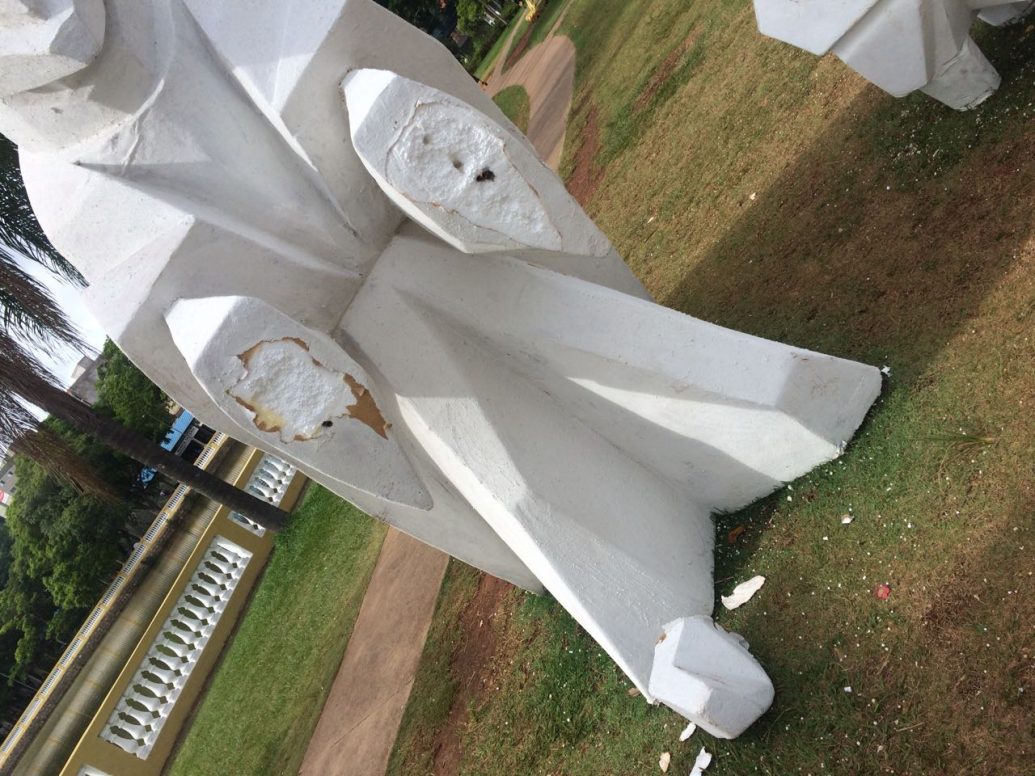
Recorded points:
(306, 223)
(900, 45)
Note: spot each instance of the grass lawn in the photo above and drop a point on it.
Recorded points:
(267, 694)
(760, 188)
(517, 42)
(488, 62)
(514, 103)
(529, 35)
(546, 20)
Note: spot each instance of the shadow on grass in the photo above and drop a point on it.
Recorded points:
(878, 244)
(881, 242)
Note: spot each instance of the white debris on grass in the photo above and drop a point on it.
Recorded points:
(704, 759)
(846, 519)
(742, 593)
(689, 731)
(885, 370)
(663, 761)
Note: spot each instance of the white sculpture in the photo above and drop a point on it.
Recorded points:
(307, 224)
(900, 45)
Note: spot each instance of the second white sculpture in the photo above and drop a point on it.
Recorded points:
(900, 45)
(309, 226)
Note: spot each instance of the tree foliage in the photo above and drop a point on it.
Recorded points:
(63, 546)
(469, 15)
(130, 395)
(435, 17)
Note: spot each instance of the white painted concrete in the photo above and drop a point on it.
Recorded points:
(42, 41)
(308, 225)
(900, 45)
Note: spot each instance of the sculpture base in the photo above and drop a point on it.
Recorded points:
(966, 81)
(707, 675)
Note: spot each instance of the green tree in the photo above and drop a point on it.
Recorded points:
(64, 547)
(469, 15)
(133, 399)
(83, 551)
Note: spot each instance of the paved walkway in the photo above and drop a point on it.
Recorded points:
(361, 716)
(548, 74)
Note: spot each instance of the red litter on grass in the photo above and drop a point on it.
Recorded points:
(882, 591)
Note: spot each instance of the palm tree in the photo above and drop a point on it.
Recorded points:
(27, 311)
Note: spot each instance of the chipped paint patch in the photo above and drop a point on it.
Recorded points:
(365, 409)
(293, 395)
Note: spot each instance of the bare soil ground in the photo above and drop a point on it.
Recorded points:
(471, 665)
(587, 171)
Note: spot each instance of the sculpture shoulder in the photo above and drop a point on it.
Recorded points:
(94, 219)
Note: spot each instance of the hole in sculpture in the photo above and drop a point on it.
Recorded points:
(457, 164)
(426, 139)
(485, 175)
(327, 423)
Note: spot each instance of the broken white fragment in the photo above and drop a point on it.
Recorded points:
(848, 689)
(886, 370)
(846, 519)
(688, 731)
(743, 592)
(664, 760)
(704, 759)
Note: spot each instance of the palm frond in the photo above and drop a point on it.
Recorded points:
(19, 229)
(27, 308)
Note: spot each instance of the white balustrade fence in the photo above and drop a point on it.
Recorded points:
(128, 571)
(270, 482)
(145, 706)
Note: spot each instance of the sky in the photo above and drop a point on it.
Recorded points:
(69, 298)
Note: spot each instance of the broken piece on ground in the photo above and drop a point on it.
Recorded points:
(743, 592)
(704, 759)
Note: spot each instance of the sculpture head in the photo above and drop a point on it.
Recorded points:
(42, 41)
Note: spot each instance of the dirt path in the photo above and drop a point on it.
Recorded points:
(361, 716)
(357, 728)
(548, 74)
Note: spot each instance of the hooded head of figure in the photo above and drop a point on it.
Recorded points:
(42, 41)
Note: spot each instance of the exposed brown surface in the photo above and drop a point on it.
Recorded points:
(587, 173)
(365, 410)
(518, 49)
(471, 666)
(362, 713)
(548, 75)
(664, 71)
